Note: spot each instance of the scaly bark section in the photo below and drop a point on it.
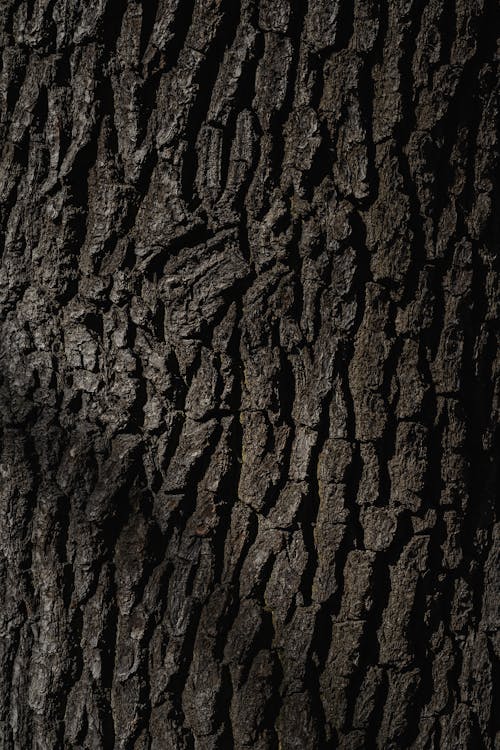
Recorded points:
(250, 376)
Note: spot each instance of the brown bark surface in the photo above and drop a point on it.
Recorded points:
(249, 374)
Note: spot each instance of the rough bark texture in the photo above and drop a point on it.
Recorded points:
(250, 383)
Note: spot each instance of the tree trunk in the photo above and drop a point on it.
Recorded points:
(250, 384)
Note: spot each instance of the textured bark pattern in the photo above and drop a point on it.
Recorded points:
(250, 382)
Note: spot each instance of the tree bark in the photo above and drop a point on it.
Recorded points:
(250, 383)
